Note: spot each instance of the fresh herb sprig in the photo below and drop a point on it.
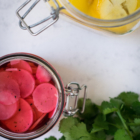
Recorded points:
(118, 119)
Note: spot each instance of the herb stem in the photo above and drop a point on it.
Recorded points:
(124, 124)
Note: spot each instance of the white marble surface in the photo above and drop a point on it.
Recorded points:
(108, 65)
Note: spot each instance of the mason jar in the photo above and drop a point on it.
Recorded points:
(63, 7)
(66, 96)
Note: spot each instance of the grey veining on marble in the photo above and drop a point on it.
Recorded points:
(108, 65)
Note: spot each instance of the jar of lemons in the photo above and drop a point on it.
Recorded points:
(113, 16)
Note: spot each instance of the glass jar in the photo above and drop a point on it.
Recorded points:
(64, 95)
(64, 7)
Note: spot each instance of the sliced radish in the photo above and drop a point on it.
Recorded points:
(42, 74)
(51, 114)
(1, 69)
(21, 64)
(9, 89)
(38, 113)
(25, 80)
(45, 97)
(22, 120)
(11, 69)
(7, 111)
(37, 122)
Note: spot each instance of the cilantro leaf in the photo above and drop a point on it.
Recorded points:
(128, 97)
(51, 138)
(99, 124)
(136, 126)
(79, 131)
(112, 106)
(99, 136)
(121, 135)
(66, 124)
(137, 137)
(136, 107)
(91, 109)
(128, 113)
(62, 138)
(114, 123)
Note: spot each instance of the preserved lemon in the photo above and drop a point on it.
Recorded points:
(107, 9)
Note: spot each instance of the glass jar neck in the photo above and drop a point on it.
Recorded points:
(99, 22)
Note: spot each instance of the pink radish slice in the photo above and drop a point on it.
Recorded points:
(12, 69)
(25, 80)
(38, 113)
(9, 89)
(29, 97)
(21, 64)
(1, 69)
(22, 120)
(42, 74)
(45, 97)
(37, 122)
(7, 111)
(51, 114)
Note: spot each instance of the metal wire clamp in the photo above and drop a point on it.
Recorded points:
(54, 15)
(74, 92)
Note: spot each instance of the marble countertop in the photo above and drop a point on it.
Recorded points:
(107, 65)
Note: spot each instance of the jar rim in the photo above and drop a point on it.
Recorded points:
(45, 128)
(99, 22)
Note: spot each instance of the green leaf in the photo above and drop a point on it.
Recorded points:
(67, 136)
(109, 110)
(91, 109)
(136, 129)
(62, 138)
(114, 123)
(113, 106)
(66, 124)
(128, 113)
(137, 137)
(128, 97)
(136, 107)
(79, 131)
(99, 124)
(51, 138)
(116, 103)
(121, 135)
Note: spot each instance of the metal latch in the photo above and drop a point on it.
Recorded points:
(72, 92)
(54, 15)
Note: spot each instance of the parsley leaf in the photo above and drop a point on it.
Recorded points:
(121, 135)
(51, 138)
(79, 131)
(66, 124)
(99, 124)
(136, 107)
(62, 138)
(128, 97)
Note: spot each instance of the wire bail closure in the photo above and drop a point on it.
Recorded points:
(54, 15)
(74, 92)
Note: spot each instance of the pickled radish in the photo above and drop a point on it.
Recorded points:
(45, 97)
(7, 111)
(9, 89)
(37, 122)
(38, 114)
(51, 114)
(43, 75)
(25, 80)
(33, 67)
(22, 120)
(21, 64)
(12, 69)
(27, 95)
